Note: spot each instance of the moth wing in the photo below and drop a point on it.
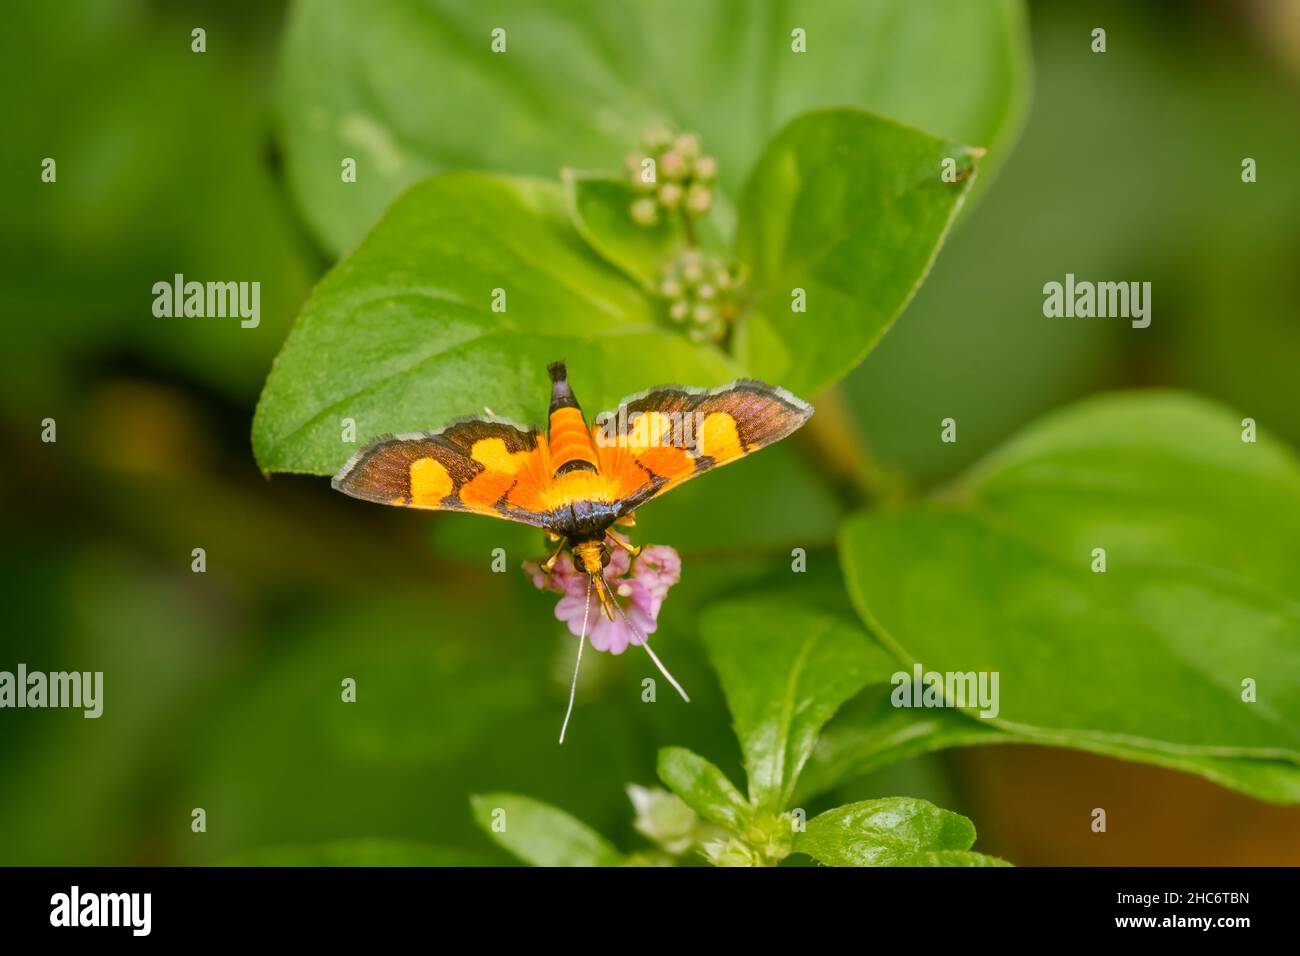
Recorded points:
(483, 466)
(672, 434)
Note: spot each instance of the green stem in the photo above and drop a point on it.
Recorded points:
(835, 444)
(688, 227)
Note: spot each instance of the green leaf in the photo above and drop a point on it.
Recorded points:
(665, 819)
(850, 208)
(401, 335)
(703, 787)
(540, 834)
(410, 88)
(870, 733)
(785, 670)
(599, 207)
(893, 831)
(954, 858)
(1202, 539)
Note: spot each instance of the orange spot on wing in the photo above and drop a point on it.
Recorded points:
(493, 455)
(719, 438)
(652, 429)
(430, 482)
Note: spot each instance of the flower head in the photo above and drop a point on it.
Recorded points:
(703, 291)
(675, 170)
(663, 817)
(639, 586)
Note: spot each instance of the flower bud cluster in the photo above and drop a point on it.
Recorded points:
(703, 294)
(679, 178)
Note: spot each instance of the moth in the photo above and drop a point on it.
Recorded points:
(576, 482)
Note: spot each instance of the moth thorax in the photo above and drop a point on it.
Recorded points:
(592, 555)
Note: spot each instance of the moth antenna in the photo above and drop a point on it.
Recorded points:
(582, 639)
(645, 643)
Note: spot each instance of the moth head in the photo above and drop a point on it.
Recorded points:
(592, 556)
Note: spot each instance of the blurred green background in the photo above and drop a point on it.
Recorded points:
(222, 689)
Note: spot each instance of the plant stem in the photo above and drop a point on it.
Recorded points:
(836, 445)
(688, 227)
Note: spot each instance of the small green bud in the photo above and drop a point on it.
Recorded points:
(770, 835)
(670, 195)
(657, 138)
(705, 169)
(670, 288)
(644, 212)
(706, 291)
(703, 314)
(688, 145)
(730, 852)
(699, 199)
(673, 165)
(678, 310)
(663, 818)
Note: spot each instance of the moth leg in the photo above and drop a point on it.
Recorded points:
(628, 546)
(627, 521)
(549, 564)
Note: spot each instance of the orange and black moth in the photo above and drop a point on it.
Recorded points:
(573, 481)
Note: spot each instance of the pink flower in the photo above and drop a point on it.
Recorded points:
(639, 587)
